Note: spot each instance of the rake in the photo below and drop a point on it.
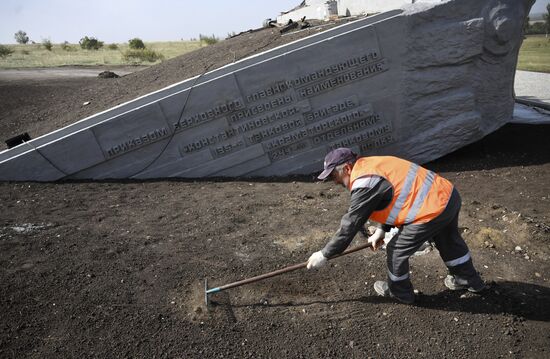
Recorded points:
(291, 268)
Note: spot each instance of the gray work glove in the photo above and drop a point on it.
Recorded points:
(316, 261)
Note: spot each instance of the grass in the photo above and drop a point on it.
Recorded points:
(36, 55)
(534, 54)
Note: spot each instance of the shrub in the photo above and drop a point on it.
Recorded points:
(141, 55)
(67, 47)
(47, 44)
(526, 25)
(536, 29)
(208, 40)
(5, 51)
(136, 44)
(112, 47)
(21, 37)
(90, 43)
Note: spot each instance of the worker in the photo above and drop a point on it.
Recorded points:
(398, 193)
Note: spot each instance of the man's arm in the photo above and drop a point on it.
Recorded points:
(363, 202)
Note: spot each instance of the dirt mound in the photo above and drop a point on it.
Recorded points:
(108, 75)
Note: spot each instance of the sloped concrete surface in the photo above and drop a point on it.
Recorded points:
(417, 84)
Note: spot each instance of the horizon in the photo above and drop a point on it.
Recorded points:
(120, 21)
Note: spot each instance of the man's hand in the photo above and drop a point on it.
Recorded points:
(316, 261)
(377, 239)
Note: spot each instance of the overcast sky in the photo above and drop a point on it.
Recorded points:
(116, 21)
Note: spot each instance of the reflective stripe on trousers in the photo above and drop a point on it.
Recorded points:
(395, 278)
(456, 262)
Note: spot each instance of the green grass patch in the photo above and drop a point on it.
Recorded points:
(36, 55)
(534, 54)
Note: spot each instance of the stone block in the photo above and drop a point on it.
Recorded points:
(417, 83)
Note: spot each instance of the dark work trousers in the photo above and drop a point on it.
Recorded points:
(443, 230)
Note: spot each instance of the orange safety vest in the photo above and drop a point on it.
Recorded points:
(419, 195)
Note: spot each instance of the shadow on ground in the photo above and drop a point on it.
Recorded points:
(524, 300)
(510, 146)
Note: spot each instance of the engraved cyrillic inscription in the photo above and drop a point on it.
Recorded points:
(274, 119)
(136, 142)
(276, 89)
(336, 69)
(201, 143)
(261, 108)
(267, 119)
(227, 148)
(343, 79)
(325, 112)
(276, 130)
(282, 153)
(285, 139)
(345, 119)
(379, 142)
(355, 139)
(285, 152)
(345, 124)
(209, 115)
(346, 130)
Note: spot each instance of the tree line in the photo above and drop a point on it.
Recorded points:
(538, 28)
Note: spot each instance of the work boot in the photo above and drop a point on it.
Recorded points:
(381, 287)
(457, 283)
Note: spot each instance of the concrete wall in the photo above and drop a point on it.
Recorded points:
(360, 7)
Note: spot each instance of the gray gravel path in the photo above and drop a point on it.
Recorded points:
(534, 86)
(63, 72)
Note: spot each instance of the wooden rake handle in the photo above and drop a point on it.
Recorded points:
(280, 271)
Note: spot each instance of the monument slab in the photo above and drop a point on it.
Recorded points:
(416, 83)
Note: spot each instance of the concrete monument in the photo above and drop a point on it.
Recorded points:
(417, 83)
(324, 9)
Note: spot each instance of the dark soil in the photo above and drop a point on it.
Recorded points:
(116, 269)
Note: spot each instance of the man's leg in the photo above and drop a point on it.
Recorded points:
(404, 244)
(455, 253)
(453, 250)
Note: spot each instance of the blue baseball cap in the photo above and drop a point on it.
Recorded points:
(335, 158)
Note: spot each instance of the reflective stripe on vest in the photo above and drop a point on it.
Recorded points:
(420, 195)
(398, 206)
(426, 186)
